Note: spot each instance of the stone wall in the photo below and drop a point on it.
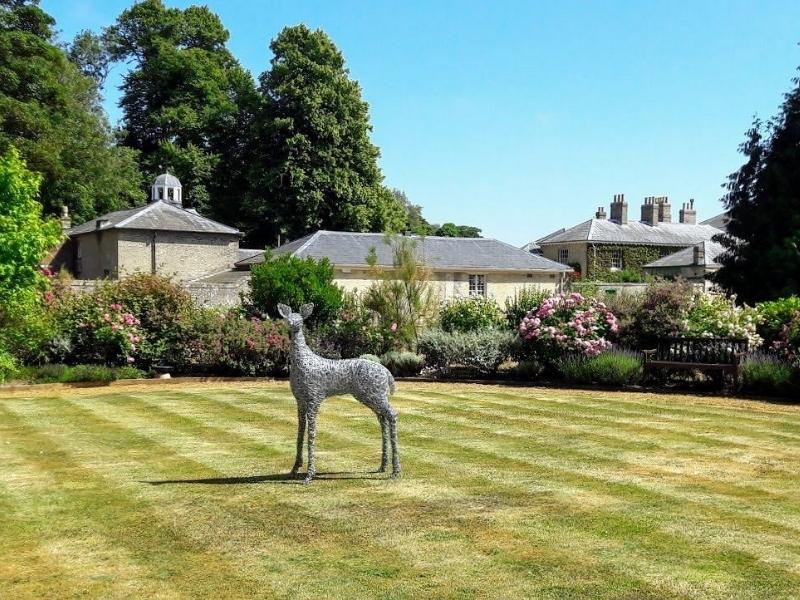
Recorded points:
(500, 285)
(96, 255)
(182, 256)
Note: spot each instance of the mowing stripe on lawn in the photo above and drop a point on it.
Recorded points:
(734, 516)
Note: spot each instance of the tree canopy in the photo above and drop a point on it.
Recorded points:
(316, 167)
(762, 243)
(49, 112)
(187, 102)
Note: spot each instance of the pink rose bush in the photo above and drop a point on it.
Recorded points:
(106, 333)
(569, 323)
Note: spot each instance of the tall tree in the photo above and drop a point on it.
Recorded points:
(315, 166)
(50, 112)
(187, 102)
(762, 243)
(25, 237)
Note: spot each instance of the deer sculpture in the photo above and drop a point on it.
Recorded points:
(314, 378)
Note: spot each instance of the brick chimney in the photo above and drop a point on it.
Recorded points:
(699, 254)
(650, 211)
(664, 210)
(687, 214)
(601, 213)
(619, 209)
(65, 220)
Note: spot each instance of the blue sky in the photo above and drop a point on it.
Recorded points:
(523, 117)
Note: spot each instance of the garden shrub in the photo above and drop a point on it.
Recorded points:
(614, 367)
(8, 365)
(662, 313)
(712, 315)
(371, 357)
(403, 364)
(471, 313)
(294, 281)
(55, 373)
(521, 303)
(479, 351)
(529, 369)
(228, 343)
(89, 374)
(775, 314)
(787, 343)
(569, 323)
(354, 332)
(94, 330)
(770, 375)
(402, 296)
(162, 307)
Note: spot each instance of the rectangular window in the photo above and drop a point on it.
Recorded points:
(477, 285)
(563, 255)
(616, 259)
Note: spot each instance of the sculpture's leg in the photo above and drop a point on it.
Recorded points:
(392, 419)
(301, 431)
(312, 435)
(384, 444)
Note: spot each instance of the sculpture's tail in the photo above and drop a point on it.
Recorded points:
(392, 387)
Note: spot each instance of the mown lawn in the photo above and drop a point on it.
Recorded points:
(173, 491)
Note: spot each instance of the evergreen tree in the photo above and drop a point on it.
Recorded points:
(50, 112)
(187, 102)
(762, 244)
(316, 167)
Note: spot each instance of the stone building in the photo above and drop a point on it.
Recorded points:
(459, 266)
(608, 243)
(161, 237)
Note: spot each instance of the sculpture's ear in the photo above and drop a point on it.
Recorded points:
(284, 311)
(306, 310)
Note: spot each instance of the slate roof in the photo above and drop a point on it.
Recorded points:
(443, 253)
(720, 221)
(685, 257)
(156, 216)
(634, 232)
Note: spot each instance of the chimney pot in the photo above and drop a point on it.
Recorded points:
(619, 209)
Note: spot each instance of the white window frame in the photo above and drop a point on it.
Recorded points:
(563, 255)
(477, 284)
(616, 260)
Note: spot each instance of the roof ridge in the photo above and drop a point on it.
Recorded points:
(311, 238)
(138, 213)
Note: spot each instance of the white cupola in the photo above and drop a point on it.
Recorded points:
(167, 188)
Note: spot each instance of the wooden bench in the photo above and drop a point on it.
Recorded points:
(697, 353)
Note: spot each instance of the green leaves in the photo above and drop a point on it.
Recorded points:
(25, 238)
(295, 281)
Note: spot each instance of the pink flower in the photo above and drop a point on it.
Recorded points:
(250, 343)
(393, 327)
(130, 359)
(115, 327)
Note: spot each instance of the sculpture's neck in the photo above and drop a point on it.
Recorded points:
(299, 346)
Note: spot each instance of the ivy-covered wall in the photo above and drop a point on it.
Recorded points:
(598, 259)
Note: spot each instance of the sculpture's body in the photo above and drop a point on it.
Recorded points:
(314, 378)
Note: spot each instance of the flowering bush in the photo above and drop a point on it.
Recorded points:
(717, 316)
(787, 344)
(227, 343)
(472, 313)
(95, 332)
(569, 323)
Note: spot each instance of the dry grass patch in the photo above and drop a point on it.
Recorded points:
(151, 490)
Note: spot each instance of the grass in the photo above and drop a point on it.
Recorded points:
(152, 490)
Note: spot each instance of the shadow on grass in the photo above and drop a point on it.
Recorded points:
(283, 478)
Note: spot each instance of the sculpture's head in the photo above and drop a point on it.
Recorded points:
(293, 319)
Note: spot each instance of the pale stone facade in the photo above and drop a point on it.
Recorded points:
(499, 285)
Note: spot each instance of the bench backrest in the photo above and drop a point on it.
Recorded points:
(700, 349)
